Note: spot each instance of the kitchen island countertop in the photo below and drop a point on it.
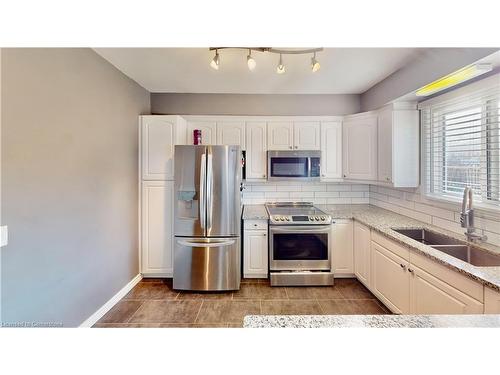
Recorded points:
(371, 321)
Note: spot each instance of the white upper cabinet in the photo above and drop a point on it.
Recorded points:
(289, 135)
(398, 147)
(159, 134)
(256, 155)
(231, 133)
(208, 132)
(360, 147)
(306, 135)
(331, 150)
(280, 135)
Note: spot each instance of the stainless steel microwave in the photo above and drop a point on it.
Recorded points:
(293, 165)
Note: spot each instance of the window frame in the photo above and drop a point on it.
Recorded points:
(487, 99)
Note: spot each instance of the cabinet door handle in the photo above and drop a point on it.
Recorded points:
(403, 266)
(296, 146)
(410, 270)
(290, 147)
(264, 175)
(345, 176)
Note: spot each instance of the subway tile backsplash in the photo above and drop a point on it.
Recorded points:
(318, 193)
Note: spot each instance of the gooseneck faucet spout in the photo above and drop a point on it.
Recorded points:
(467, 218)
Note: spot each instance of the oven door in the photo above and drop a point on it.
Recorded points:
(299, 248)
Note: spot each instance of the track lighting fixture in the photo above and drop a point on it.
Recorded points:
(216, 60)
(314, 63)
(250, 61)
(280, 69)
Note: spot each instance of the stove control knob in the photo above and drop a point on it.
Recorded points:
(317, 218)
(323, 218)
(287, 218)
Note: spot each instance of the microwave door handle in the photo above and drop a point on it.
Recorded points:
(202, 203)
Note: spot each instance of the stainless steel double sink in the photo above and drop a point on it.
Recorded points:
(455, 248)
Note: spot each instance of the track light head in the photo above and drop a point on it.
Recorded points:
(250, 61)
(216, 60)
(314, 63)
(280, 69)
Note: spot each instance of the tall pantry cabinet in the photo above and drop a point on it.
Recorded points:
(158, 136)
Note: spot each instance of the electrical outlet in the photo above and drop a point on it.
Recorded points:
(4, 236)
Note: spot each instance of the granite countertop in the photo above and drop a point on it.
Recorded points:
(371, 321)
(383, 221)
(255, 212)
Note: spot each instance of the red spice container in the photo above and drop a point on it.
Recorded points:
(197, 137)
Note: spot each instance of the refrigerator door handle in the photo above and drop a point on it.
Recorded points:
(209, 194)
(202, 203)
(195, 243)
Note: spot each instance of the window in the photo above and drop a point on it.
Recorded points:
(461, 147)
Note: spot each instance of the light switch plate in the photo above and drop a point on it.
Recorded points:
(4, 236)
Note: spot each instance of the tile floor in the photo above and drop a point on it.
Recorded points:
(153, 303)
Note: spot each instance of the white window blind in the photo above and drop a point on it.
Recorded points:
(461, 147)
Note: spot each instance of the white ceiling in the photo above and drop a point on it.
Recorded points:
(187, 70)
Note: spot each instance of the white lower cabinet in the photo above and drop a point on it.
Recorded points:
(342, 248)
(390, 280)
(157, 229)
(409, 283)
(430, 295)
(491, 301)
(255, 245)
(362, 242)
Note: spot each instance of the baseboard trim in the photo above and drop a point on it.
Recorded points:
(94, 318)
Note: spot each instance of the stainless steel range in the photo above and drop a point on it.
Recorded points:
(299, 244)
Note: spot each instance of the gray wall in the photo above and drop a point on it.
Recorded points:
(432, 64)
(69, 183)
(253, 104)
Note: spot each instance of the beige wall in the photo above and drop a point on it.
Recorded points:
(253, 104)
(69, 187)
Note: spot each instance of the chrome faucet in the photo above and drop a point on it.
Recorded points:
(467, 218)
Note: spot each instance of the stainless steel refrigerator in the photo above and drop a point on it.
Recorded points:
(207, 251)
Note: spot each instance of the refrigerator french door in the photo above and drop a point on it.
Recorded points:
(207, 213)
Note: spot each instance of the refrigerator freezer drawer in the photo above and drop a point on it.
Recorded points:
(207, 264)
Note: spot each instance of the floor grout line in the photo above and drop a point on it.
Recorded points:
(135, 312)
(198, 314)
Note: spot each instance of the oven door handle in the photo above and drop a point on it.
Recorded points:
(295, 229)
